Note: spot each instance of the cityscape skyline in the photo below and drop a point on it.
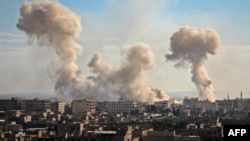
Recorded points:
(104, 31)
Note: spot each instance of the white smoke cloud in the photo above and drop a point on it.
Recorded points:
(190, 45)
(129, 80)
(50, 23)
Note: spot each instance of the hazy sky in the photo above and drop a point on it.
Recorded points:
(111, 25)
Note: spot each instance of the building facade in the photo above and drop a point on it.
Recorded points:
(58, 106)
(31, 105)
(12, 104)
(83, 106)
(124, 106)
(205, 104)
(37, 104)
(162, 104)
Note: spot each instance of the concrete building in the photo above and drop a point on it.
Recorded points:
(120, 133)
(212, 133)
(37, 104)
(162, 104)
(124, 106)
(83, 106)
(195, 103)
(11, 104)
(31, 105)
(68, 130)
(150, 135)
(238, 104)
(242, 104)
(190, 102)
(226, 105)
(230, 105)
(110, 106)
(58, 106)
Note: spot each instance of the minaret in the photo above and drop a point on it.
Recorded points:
(228, 96)
(241, 95)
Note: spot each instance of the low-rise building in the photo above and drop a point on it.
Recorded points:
(69, 130)
(151, 135)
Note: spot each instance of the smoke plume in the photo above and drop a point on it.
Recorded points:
(129, 80)
(190, 45)
(51, 24)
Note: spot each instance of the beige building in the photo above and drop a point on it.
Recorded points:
(124, 106)
(58, 106)
(83, 106)
(162, 104)
(205, 104)
(150, 135)
(226, 105)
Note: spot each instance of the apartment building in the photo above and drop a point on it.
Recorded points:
(37, 104)
(11, 104)
(31, 105)
(124, 106)
(162, 104)
(82, 106)
(195, 103)
(58, 106)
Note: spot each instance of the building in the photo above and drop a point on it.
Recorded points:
(190, 102)
(162, 104)
(126, 106)
(242, 104)
(195, 103)
(150, 135)
(120, 133)
(121, 106)
(11, 104)
(83, 106)
(37, 104)
(58, 106)
(226, 105)
(31, 105)
(67, 130)
(230, 105)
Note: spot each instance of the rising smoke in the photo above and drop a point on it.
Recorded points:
(51, 24)
(190, 45)
(128, 81)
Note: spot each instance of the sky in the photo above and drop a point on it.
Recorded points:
(109, 26)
